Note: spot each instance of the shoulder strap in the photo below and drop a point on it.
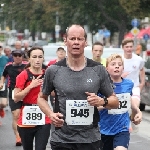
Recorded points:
(29, 74)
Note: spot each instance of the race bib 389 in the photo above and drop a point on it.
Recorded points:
(32, 115)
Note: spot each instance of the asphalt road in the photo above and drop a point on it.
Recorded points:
(7, 137)
(139, 141)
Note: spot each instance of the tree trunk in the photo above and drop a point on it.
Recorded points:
(33, 35)
(122, 30)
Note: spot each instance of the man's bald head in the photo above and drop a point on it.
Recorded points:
(76, 25)
(18, 45)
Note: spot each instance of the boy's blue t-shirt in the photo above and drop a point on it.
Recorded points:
(111, 124)
(3, 62)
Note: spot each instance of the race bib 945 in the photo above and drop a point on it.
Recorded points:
(124, 104)
(79, 112)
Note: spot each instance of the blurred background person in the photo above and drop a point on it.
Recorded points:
(97, 51)
(12, 70)
(138, 49)
(61, 54)
(25, 49)
(7, 51)
(18, 45)
(3, 89)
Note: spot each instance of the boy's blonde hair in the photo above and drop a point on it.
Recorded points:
(113, 57)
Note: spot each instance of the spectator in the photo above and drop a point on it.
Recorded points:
(61, 54)
(7, 51)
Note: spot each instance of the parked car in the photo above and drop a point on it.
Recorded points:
(40, 43)
(50, 52)
(145, 93)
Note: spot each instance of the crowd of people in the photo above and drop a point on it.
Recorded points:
(94, 101)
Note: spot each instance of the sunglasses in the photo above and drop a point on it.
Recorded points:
(15, 55)
(1, 47)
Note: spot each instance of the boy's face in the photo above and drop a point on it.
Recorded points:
(115, 68)
(97, 51)
(128, 48)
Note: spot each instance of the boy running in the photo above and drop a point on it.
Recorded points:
(114, 123)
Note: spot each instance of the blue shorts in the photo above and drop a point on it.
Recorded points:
(112, 141)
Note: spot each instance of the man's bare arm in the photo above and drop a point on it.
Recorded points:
(142, 78)
(43, 104)
(99, 102)
(113, 103)
(56, 118)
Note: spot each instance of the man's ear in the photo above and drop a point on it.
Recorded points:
(65, 40)
(86, 44)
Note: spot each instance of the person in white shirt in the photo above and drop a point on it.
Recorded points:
(133, 70)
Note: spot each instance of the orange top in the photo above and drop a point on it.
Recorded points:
(138, 49)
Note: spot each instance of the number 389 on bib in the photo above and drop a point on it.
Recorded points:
(32, 115)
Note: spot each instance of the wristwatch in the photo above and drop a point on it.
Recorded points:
(106, 102)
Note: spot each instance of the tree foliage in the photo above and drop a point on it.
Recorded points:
(138, 8)
(40, 15)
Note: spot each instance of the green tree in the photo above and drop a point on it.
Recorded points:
(114, 13)
(40, 15)
(138, 8)
(96, 13)
(30, 14)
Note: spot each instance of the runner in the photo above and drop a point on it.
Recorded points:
(3, 87)
(32, 122)
(12, 70)
(114, 123)
(61, 54)
(97, 51)
(76, 81)
(18, 45)
(7, 51)
(133, 70)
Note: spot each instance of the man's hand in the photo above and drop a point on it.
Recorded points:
(125, 74)
(56, 119)
(94, 100)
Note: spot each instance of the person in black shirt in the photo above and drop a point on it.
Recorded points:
(12, 70)
(76, 81)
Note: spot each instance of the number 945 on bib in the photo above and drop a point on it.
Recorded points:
(79, 112)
